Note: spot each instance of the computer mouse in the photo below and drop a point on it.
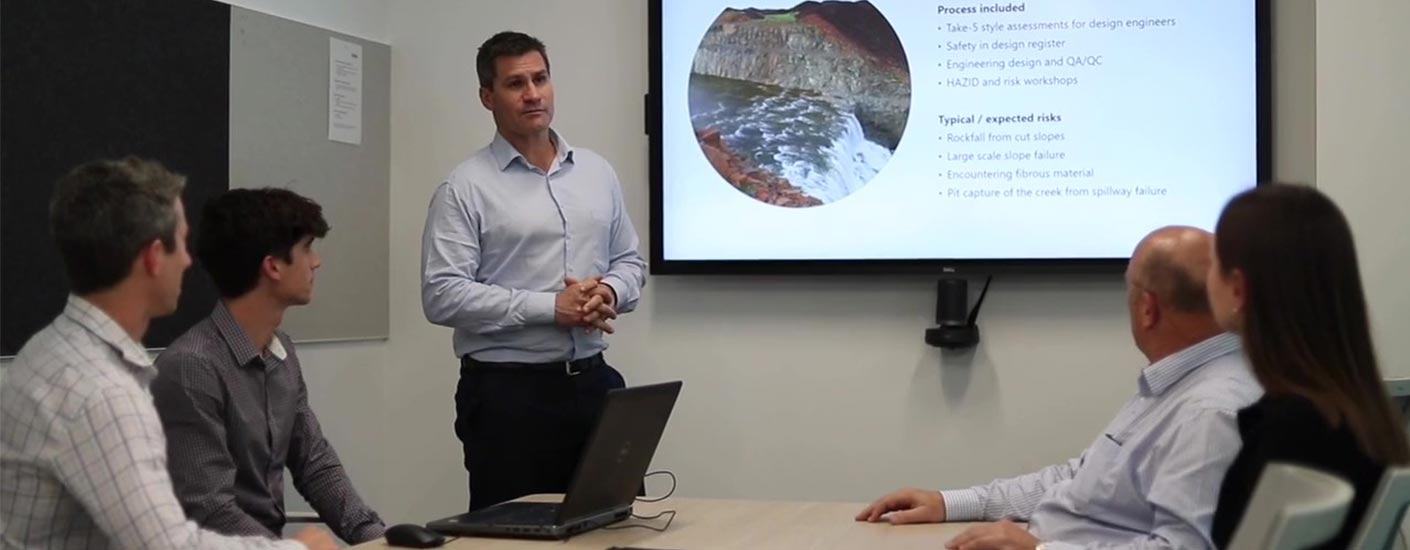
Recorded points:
(410, 535)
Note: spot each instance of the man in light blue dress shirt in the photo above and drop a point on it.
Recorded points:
(1151, 479)
(529, 255)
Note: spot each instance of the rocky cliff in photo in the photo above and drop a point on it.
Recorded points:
(845, 51)
(760, 184)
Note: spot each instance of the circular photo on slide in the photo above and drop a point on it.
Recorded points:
(803, 106)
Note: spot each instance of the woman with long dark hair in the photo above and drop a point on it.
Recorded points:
(1284, 277)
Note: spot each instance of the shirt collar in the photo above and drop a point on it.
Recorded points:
(1163, 374)
(95, 320)
(505, 153)
(239, 342)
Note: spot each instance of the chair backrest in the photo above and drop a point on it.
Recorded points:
(1292, 508)
(1399, 391)
(1385, 512)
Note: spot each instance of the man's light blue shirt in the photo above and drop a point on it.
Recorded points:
(1151, 479)
(502, 235)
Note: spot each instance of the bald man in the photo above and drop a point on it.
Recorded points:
(1151, 478)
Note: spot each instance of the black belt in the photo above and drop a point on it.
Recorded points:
(569, 368)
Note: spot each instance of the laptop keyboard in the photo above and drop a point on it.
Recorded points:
(515, 513)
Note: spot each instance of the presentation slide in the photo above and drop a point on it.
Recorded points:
(898, 129)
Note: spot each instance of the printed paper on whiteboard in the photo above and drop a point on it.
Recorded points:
(344, 91)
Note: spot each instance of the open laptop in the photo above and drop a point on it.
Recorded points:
(607, 479)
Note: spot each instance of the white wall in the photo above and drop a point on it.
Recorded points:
(1363, 136)
(795, 387)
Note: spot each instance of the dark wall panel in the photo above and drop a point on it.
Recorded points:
(85, 79)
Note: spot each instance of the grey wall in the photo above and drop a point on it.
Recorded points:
(279, 138)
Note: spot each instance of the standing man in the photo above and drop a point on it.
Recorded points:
(231, 393)
(82, 456)
(529, 255)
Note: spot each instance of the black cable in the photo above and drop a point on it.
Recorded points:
(661, 529)
(668, 493)
(670, 515)
(974, 313)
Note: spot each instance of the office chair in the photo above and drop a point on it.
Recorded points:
(1292, 508)
(1379, 528)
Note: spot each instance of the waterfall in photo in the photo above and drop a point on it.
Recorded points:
(804, 138)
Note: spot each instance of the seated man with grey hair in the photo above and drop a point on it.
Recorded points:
(1151, 479)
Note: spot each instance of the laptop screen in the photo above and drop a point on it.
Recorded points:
(611, 470)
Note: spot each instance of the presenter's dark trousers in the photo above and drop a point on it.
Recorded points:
(523, 425)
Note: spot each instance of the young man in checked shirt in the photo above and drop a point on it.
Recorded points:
(231, 393)
(82, 456)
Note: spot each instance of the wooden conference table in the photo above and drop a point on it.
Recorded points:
(736, 524)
